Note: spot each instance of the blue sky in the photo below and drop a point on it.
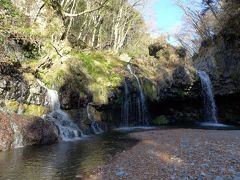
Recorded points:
(163, 16)
(166, 15)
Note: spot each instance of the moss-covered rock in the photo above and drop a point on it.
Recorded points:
(89, 74)
(160, 120)
(25, 109)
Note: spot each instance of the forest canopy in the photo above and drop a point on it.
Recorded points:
(101, 24)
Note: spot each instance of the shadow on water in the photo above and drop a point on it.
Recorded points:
(64, 160)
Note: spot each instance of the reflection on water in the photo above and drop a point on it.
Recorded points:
(62, 161)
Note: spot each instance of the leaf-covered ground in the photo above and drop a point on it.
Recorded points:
(178, 154)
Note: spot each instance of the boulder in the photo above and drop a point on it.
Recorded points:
(155, 48)
(17, 131)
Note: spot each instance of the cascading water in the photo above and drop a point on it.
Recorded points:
(142, 109)
(126, 106)
(18, 137)
(67, 129)
(210, 112)
(94, 125)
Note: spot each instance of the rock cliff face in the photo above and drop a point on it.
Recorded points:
(220, 59)
(171, 86)
(17, 95)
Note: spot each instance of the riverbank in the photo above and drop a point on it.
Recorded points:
(177, 154)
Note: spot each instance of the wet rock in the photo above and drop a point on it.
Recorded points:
(15, 88)
(17, 131)
(182, 75)
(222, 67)
(120, 173)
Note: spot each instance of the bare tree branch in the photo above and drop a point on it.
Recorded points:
(85, 12)
(39, 11)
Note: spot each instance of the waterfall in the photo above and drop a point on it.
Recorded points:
(210, 112)
(68, 130)
(126, 106)
(94, 125)
(142, 109)
(18, 137)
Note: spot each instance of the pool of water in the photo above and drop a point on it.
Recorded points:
(135, 128)
(65, 160)
(76, 159)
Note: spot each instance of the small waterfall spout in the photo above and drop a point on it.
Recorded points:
(18, 137)
(210, 112)
(68, 130)
(94, 125)
(141, 101)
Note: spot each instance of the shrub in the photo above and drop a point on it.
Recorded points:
(160, 120)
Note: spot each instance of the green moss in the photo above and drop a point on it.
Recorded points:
(55, 78)
(10, 18)
(1, 39)
(150, 89)
(161, 120)
(94, 73)
(7, 5)
(27, 109)
(11, 105)
(34, 110)
(100, 70)
(32, 63)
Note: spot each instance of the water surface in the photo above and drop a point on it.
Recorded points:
(65, 160)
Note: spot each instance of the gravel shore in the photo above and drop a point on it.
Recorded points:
(177, 154)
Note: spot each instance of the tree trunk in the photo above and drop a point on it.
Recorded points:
(95, 37)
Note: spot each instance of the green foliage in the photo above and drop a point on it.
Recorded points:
(1, 39)
(31, 53)
(116, 26)
(48, 2)
(54, 78)
(99, 68)
(92, 72)
(161, 120)
(7, 5)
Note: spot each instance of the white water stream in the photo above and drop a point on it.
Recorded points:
(142, 109)
(68, 130)
(210, 111)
